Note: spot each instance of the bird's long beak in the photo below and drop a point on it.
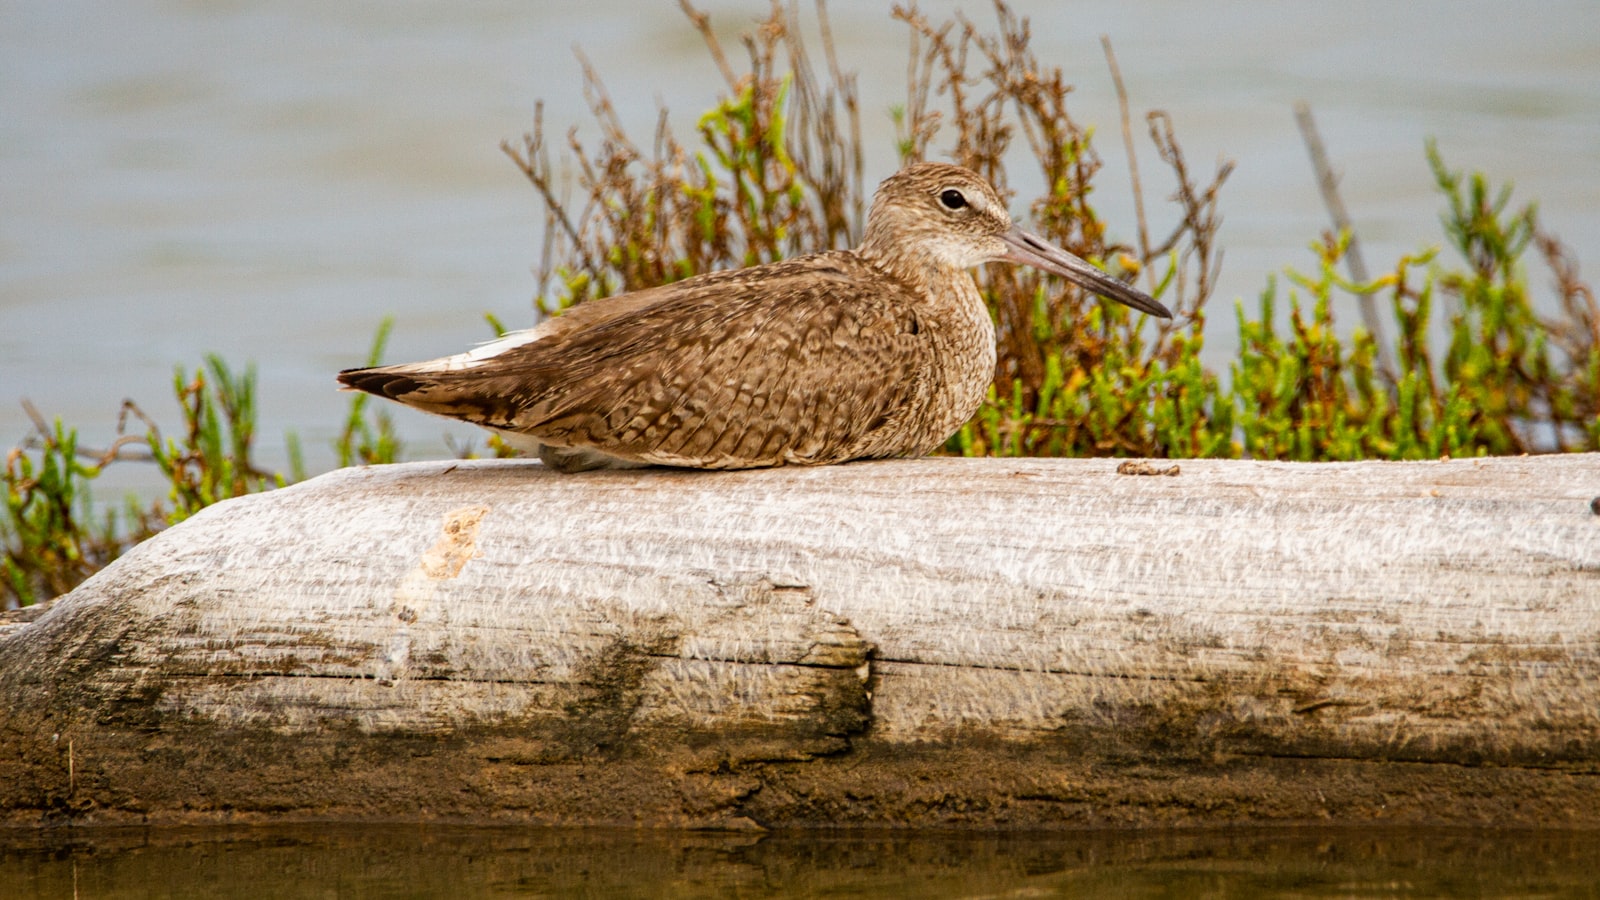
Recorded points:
(1034, 251)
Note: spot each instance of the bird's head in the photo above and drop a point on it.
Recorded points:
(948, 217)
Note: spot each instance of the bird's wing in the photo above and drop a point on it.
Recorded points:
(796, 366)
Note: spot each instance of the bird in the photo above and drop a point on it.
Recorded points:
(880, 351)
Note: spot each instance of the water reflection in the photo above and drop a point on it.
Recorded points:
(396, 861)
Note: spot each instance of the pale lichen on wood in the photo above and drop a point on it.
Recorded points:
(1036, 641)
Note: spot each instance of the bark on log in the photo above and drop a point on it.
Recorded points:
(930, 642)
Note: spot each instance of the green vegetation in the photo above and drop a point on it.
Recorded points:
(53, 537)
(369, 440)
(775, 169)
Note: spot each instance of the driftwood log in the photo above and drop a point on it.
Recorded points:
(1012, 643)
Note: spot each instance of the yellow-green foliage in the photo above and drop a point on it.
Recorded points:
(372, 441)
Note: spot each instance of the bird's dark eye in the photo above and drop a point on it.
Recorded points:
(952, 199)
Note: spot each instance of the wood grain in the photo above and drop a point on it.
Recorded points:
(939, 641)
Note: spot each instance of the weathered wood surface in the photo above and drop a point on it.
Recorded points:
(933, 642)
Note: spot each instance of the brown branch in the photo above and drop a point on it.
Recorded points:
(702, 24)
(1328, 184)
(1127, 143)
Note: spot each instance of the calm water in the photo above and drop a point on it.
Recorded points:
(270, 179)
(460, 862)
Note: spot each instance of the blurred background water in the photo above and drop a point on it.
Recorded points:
(269, 180)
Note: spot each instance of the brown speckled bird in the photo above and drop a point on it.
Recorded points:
(881, 351)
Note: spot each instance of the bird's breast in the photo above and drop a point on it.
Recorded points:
(964, 343)
(957, 367)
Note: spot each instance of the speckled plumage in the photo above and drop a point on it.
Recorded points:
(880, 351)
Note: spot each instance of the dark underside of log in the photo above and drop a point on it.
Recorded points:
(934, 643)
(219, 776)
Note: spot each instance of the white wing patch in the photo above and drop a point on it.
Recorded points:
(485, 351)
